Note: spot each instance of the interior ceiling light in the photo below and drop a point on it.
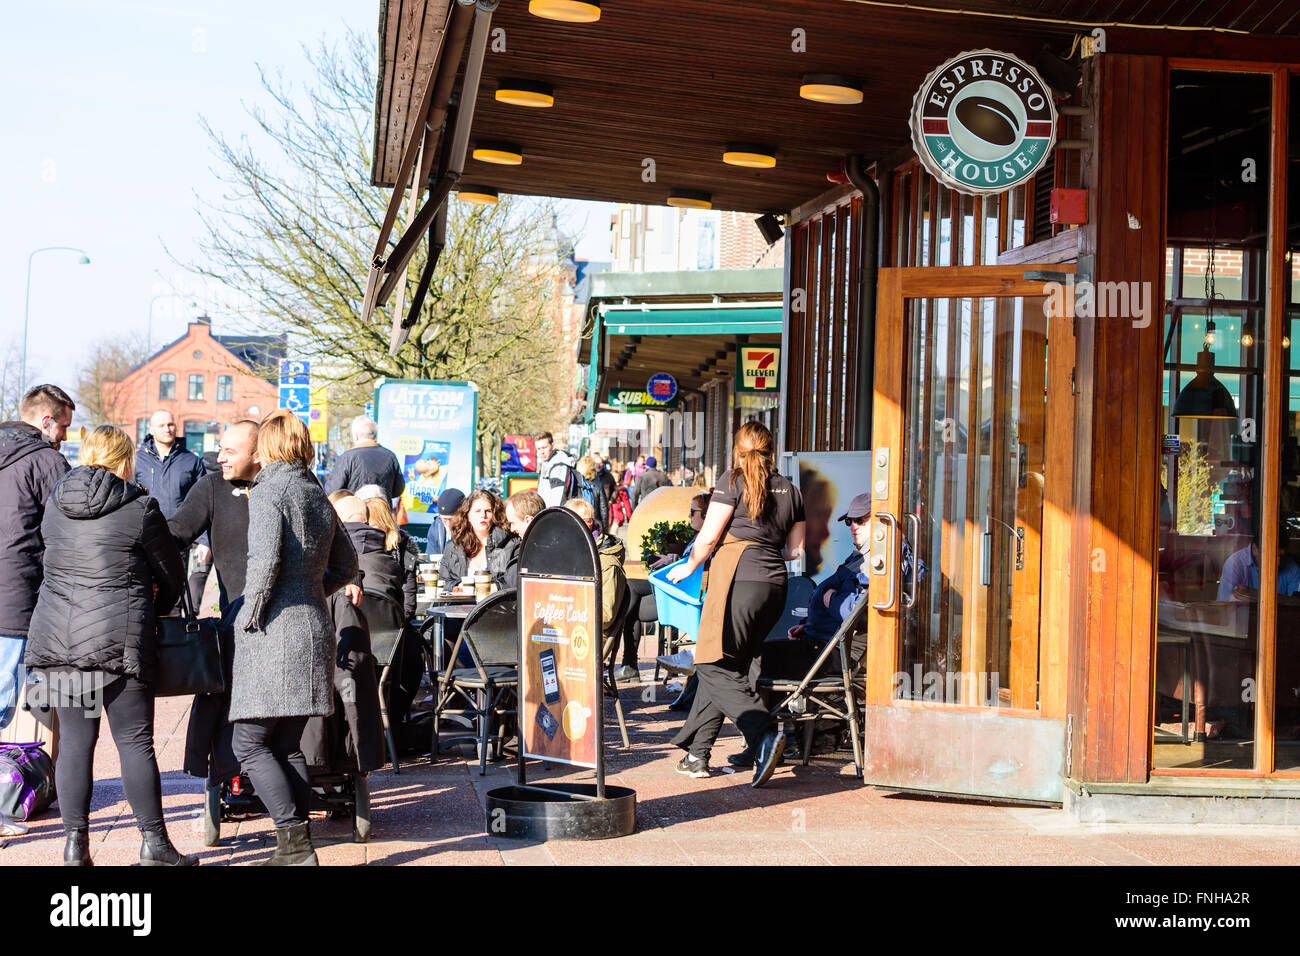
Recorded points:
(503, 154)
(570, 11)
(479, 195)
(690, 199)
(831, 88)
(1205, 396)
(525, 93)
(750, 155)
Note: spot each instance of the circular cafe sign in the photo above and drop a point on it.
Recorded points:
(983, 122)
(661, 388)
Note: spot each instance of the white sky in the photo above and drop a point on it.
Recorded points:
(102, 150)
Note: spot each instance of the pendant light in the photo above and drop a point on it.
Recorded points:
(1205, 397)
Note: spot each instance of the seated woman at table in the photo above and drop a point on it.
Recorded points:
(479, 540)
(381, 572)
(397, 543)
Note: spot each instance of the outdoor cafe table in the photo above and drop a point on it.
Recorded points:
(454, 606)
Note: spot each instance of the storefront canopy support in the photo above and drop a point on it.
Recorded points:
(868, 272)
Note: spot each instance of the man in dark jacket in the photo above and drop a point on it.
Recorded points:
(29, 468)
(163, 467)
(217, 508)
(367, 463)
(649, 480)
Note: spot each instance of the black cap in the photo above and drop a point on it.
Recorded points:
(450, 500)
(859, 507)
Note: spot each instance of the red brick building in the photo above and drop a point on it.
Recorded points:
(206, 381)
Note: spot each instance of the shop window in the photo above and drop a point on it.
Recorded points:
(166, 386)
(1215, 342)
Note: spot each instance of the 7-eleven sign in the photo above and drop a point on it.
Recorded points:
(760, 368)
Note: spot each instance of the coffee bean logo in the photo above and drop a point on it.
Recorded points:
(988, 119)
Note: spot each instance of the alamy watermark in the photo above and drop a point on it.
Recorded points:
(947, 687)
(1103, 300)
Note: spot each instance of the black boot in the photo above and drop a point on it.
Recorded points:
(157, 850)
(76, 852)
(292, 847)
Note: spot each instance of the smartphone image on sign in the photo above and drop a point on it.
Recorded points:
(550, 676)
(546, 720)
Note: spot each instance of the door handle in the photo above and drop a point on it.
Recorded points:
(883, 561)
(909, 598)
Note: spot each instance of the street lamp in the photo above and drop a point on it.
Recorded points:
(84, 260)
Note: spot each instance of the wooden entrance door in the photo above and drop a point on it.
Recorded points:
(968, 445)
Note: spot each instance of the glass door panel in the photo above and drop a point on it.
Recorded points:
(974, 412)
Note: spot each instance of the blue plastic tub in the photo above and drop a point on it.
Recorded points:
(678, 605)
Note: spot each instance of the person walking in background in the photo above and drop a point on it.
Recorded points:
(754, 524)
(605, 474)
(298, 555)
(480, 540)
(167, 471)
(29, 469)
(649, 480)
(590, 489)
(367, 463)
(111, 567)
(554, 470)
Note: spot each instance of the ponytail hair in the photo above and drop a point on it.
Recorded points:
(753, 457)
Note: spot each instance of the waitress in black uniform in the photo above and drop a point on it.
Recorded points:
(755, 523)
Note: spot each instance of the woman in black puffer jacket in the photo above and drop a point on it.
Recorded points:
(111, 567)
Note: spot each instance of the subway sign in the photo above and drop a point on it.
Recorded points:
(758, 368)
(636, 399)
(983, 122)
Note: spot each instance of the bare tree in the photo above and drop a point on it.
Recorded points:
(11, 396)
(98, 389)
(293, 236)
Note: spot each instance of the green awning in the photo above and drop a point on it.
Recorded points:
(705, 320)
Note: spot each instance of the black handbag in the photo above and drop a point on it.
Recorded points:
(189, 654)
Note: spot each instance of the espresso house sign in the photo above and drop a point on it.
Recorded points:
(983, 122)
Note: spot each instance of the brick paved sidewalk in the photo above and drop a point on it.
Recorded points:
(433, 814)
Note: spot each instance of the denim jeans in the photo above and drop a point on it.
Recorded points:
(12, 673)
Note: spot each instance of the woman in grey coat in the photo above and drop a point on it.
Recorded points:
(284, 639)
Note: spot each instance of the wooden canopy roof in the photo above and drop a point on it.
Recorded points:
(672, 81)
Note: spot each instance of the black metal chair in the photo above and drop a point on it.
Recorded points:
(388, 631)
(484, 692)
(610, 656)
(827, 690)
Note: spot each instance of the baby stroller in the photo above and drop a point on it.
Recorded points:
(340, 749)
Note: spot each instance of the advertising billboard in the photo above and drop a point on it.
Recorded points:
(431, 427)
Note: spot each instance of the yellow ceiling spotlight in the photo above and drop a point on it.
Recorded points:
(479, 195)
(503, 154)
(831, 88)
(525, 93)
(570, 11)
(749, 155)
(690, 199)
